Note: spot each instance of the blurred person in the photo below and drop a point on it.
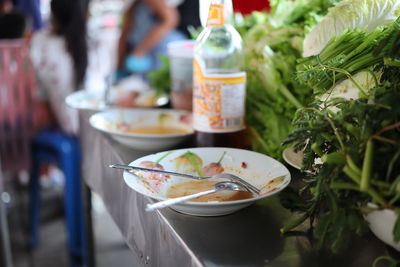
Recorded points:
(189, 16)
(148, 26)
(12, 22)
(31, 9)
(59, 56)
(13, 25)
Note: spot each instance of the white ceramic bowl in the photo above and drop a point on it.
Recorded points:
(117, 123)
(293, 158)
(381, 223)
(267, 174)
(87, 100)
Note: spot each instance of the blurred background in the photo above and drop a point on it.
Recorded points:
(27, 20)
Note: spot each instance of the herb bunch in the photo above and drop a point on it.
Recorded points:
(350, 52)
(352, 147)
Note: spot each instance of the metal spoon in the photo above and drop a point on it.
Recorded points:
(217, 187)
(228, 176)
(237, 179)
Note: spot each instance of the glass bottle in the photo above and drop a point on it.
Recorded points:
(219, 81)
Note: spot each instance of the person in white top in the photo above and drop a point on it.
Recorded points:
(59, 56)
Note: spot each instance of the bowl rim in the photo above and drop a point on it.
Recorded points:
(102, 114)
(217, 203)
(69, 100)
(289, 160)
(102, 106)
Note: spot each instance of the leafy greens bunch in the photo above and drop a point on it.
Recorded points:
(160, 79)
(360, 152)
(350, 52)
(272, 49)
(351, 142)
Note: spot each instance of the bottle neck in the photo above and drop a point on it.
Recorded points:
(220, 13)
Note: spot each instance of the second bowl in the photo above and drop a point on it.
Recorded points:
(145, 129)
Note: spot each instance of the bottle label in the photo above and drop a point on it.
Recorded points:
(218, 100)
(216, 15)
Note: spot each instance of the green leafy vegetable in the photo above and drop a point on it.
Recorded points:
(350, 14)
(359, 143)
(340, 181)
(272, 49)
(344, 56)
(160, 79)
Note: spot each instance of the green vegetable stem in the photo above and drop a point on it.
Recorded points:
(367, 166)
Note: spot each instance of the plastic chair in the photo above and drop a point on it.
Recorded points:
(17, 87)
(63, 151)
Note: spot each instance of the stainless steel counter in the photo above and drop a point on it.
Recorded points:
(167, 238)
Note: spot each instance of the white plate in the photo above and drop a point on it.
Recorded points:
(293, 158)
(381, 222)
(87, 100)
(262, 171)
(117, 123)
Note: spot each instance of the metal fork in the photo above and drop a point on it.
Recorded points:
(228, 176)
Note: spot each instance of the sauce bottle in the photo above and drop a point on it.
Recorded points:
(219, 84)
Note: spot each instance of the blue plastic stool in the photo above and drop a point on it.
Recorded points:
(63, 151)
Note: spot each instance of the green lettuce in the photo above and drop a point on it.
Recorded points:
(272, 49)
(350, 14)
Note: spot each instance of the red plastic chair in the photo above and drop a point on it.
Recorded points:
(17, 86)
